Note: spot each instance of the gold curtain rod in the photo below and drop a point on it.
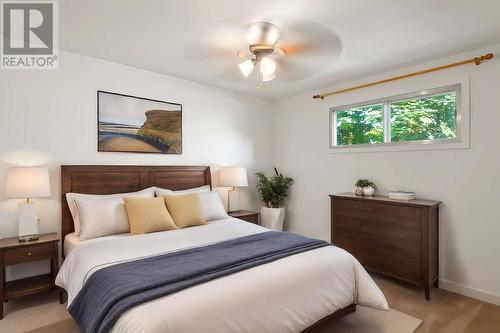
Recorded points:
(476, 60)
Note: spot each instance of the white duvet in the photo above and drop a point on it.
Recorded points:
(287, 295)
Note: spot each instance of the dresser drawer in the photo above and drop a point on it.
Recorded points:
(26, 254)
(397, 245)
(406, 216)
(354, 236)
(350, 228)
(356, 209)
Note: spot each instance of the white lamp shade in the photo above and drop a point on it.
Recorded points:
(246, 67)
(233, 177)
(27, 183)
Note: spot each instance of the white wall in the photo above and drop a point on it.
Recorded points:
(465, 180)
(49, 118)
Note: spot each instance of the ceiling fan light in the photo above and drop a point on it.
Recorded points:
(246, 67)
(266, 78)
(267, 66)
(264, 33)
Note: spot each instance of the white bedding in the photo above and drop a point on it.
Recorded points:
(287, 295)
(72, 241)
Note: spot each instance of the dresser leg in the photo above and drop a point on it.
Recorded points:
(436, 283)
(427, 293)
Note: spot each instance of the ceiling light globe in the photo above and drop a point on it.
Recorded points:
(246, 67)
(267, 66)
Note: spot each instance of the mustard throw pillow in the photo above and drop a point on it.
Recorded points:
(148, 215)
(185, 209)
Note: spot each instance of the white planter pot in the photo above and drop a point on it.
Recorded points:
(272, 218)
(368, 191)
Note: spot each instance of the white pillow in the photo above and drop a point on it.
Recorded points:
(102, 217)
(72, 197)
(212, 207)
(161, 191)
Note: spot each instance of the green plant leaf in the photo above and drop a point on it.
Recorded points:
(273, 190)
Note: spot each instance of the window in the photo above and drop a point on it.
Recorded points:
(423, 117)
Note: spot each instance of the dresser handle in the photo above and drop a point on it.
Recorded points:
(29, 254)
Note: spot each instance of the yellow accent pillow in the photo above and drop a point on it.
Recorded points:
(185, 209)
(147, 215)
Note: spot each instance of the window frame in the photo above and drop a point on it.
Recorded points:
(386, 102)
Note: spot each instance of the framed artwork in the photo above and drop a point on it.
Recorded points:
(140, 125)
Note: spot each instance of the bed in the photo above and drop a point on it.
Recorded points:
(299, 293)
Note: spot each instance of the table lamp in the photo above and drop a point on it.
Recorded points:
(27, 183)
(233, 177)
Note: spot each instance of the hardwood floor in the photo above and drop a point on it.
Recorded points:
(446, 312)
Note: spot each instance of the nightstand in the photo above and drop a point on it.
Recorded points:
(13, 252)
(246, 215)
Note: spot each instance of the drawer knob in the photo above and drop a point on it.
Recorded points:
(29, 254)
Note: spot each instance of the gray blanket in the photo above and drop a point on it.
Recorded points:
(112, 290)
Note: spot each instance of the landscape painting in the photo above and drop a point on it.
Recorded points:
(141, 125)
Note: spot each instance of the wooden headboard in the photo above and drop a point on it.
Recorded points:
(109, 179)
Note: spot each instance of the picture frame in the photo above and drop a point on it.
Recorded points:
(132, 124)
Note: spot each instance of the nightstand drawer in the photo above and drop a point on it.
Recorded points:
(246, 215)
(254, 218)
(29, 253)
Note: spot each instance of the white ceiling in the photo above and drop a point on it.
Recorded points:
(360, 37)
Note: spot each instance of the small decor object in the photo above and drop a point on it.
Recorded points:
(27, 183)
(274, 190)
(233, 177)
(402, 195)
(140, 125)
(365, 187)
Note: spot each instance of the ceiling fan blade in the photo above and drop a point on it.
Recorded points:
(289, 70)
(293, 49)
(311, 39)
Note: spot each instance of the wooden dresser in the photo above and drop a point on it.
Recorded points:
(392, 237)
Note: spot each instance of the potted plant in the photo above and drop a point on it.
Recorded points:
(365, 187)
(273, 190)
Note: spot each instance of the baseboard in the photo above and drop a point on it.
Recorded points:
(471, 292)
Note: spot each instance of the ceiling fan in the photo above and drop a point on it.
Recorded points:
(287, 50)
(262, 38)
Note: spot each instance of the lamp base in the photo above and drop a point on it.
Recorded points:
(28, 221)
(233, 200)
(28, 238)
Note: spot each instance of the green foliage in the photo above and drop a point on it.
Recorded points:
(430, 118)
(274, 190)
(361, 125)
(365, 183)
(427, 118)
